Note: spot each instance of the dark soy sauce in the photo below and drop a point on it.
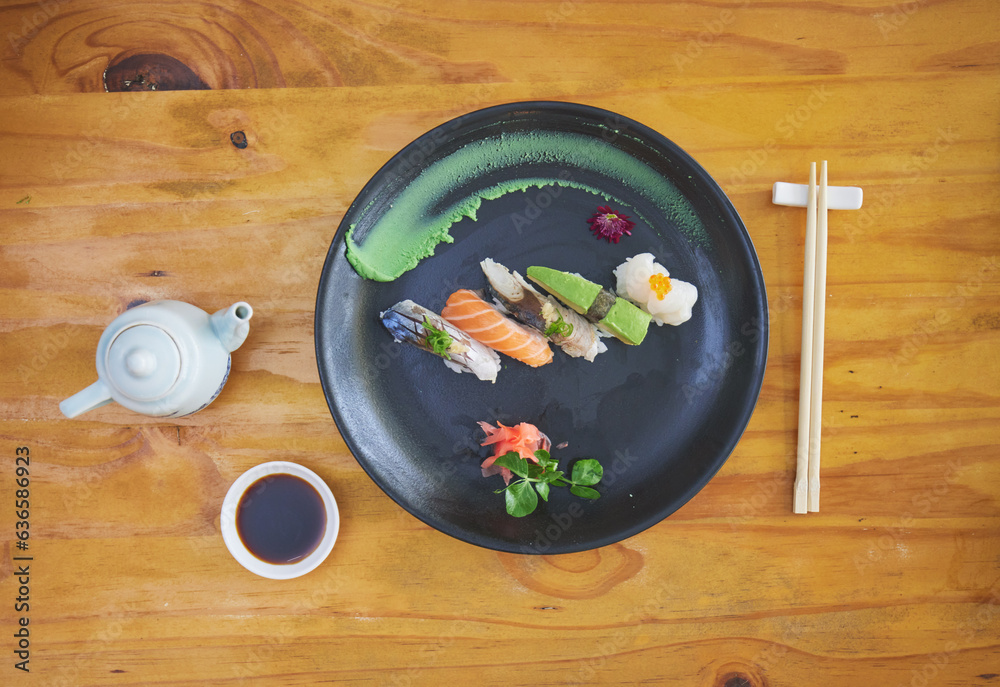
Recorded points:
(281, 519)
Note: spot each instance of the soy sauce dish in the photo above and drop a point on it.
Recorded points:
(279, 520)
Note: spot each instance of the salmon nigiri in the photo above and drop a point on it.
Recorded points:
(487, 325)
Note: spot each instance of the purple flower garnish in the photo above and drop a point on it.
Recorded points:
(608, 224)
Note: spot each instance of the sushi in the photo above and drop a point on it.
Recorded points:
(612, 314)
(649, 285)
(565, 328)
(485, 323)
(414, 324)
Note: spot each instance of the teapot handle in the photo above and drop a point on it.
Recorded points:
(94, 396)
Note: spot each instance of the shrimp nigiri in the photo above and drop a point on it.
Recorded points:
(484, 323)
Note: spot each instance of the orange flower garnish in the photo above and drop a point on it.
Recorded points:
(660, 283)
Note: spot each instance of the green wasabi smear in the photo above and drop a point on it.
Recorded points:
(408, 231)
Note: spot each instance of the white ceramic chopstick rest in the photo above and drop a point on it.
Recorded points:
(797, 196)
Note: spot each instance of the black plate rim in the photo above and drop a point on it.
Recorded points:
(655, 139)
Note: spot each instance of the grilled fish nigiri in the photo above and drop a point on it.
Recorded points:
(468, 311)
(415, 324)
(575, 335)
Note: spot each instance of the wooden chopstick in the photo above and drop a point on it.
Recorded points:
(800, 501)
(819, 325)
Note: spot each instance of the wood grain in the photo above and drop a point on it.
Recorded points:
(107, 199)
(64, 46)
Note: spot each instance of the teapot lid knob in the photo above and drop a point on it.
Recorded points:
(143, 362)
(140, 362)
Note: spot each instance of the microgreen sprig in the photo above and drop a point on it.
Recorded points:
(521, 496)
(559, 328)
(438, 340)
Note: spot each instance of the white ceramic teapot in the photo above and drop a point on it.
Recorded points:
(164, 358)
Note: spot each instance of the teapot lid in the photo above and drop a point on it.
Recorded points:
(143, 362)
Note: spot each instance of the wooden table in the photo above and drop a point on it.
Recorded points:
(113, 198)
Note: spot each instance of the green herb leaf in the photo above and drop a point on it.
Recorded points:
(584, 492)
(554, 477)
(587, 471)
(559, 328)
(513, 461)
(535, 472)
(521, 499)
(546, 460)
(537, 479)
(438, 340)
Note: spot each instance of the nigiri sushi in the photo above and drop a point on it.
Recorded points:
(564, 327)
(649, 285)
(415, 324)
(611, 313)
(468, 311)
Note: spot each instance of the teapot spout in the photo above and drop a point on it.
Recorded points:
(94, 396)
(232, 325)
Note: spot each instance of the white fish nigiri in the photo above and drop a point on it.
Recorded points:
(649, 285)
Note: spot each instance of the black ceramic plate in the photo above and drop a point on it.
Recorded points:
(662, 417)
